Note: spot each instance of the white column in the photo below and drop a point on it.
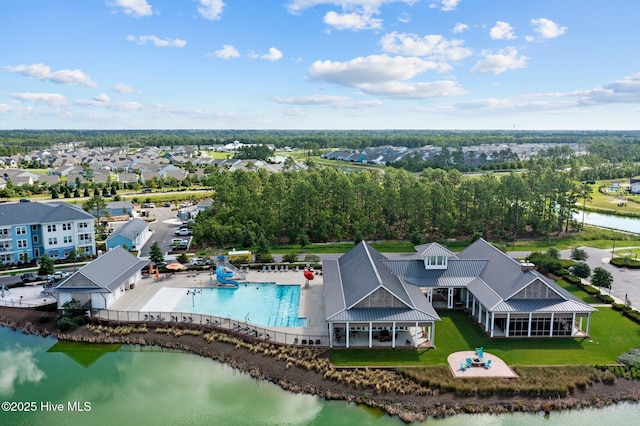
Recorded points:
(370, 335)
(588, 323)
(346, 333)
(432, 334)
(506, 327)
(573, 323)
(492, 323)
(430, 295)
(473, 305)
(551, 326)
(415, 338)
(450, 298)
(393, 334)
(530, 318)
(466, 302)
(480, 313)
(486, 321)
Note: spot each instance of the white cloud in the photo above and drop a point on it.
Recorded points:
(4, 108)
(102, 97)
(383, 75)
(502, 31)
(626, 90)
(123, 88)
(430, 46)
(296, 6)
(414, 90)
(333, 101)
(352, 21)
(504, 60)
(273, 55)
(157, 42)
(460, 27)
(227, 52)
(211, 9)
(43, 72)
(135, 8)
(370, 69)
(53, 99)
(444, 5)
(546, 29)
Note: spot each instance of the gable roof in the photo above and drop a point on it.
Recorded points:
(105, 274)
(130, 229)
(433, 249)
(30, 213)
(360, 272)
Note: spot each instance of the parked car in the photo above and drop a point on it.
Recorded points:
(183, 246)
(183, 232)
(25, 200)
(30, 277)
(147, 190)
(148, 206)
(198, 261)
(59, 275)
(167, 204)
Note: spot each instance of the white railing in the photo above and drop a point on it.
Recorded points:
(242, 329)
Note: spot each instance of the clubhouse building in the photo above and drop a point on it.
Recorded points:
(371, 300)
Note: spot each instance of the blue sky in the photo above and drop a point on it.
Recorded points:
(319, 64)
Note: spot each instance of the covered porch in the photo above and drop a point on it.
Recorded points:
(381, 334)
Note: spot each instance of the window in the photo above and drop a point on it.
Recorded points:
(22, 243)
(34, 227)
(21, 230)
(51, 228)
(68, 239)
(5, 232)
(53, 241)
(66, 227)
(35, 239)
(82, 225)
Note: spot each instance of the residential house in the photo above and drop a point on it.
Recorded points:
(133, 234)
(634, 185)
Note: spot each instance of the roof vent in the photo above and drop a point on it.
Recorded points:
(527, 266)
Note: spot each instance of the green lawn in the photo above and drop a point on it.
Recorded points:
(578, 292)
(611, 335)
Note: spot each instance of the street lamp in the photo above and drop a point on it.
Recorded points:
(193, 293)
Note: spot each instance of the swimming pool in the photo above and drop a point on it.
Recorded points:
(266, 304)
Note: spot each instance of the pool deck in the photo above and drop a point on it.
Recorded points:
(311, 299)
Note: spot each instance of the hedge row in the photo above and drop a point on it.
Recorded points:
(627, 311)
(625, 262)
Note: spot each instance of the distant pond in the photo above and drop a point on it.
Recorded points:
(622, 223)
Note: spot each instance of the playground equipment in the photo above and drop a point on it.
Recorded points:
(224, 277)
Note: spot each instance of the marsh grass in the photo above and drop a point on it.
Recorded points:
(532, 381)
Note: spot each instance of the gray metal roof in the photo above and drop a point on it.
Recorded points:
(107, 272)
(382, 315)
(455, 268)
(543, 305)
(433, 249)
(363, 272)
(38, 213)
(130, 229)
(360, 272)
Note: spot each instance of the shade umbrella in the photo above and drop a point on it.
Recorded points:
(308, 274)
(174, 266)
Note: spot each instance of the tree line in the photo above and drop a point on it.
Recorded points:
(322, 205)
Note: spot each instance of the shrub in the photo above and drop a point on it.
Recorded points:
(562, 272)
(606, 298)
(625, 262)
(290, 258)
(572, 279)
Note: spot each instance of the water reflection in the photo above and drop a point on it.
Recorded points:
(18, 366)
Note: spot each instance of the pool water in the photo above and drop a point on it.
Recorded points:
(265, 304)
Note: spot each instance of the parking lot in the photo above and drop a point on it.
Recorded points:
(164, 226)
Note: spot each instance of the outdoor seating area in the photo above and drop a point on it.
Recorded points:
(478, 364)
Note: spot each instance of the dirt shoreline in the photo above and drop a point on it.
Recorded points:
(409, 407)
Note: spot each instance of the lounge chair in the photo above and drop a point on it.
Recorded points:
(487, 364)
(469, 362)
(295, 341)
(463, 366)
(267, 337)
(480, 352)
(304, 341)
(146, 317)
(317, 341)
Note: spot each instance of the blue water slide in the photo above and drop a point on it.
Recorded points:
(223, 276)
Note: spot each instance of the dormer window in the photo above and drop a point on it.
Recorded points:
(435, 262)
